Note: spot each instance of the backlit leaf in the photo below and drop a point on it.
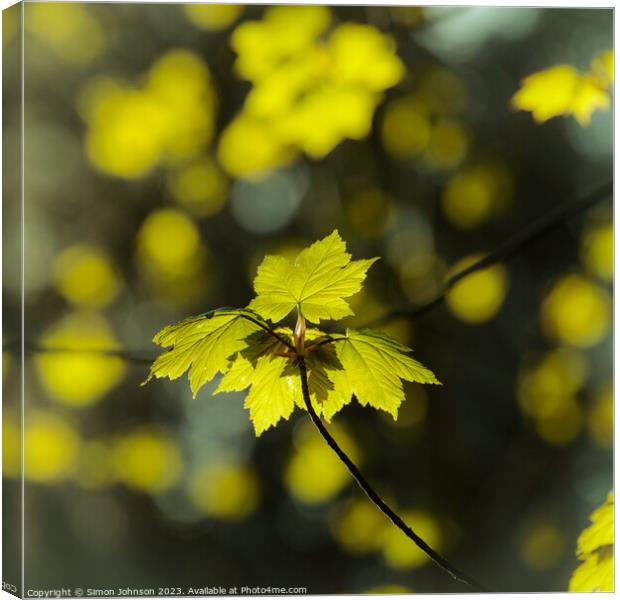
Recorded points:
(250, 355)
(260, 366)
(272, 394)
(316, 282)
(373, 366)
(274, 380)
(203, 345)
(595, 547)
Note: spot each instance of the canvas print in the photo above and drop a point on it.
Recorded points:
(306, 299)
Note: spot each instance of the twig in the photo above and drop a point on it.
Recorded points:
(269, 330)
(505, 251)
(133, 357)
(35, 348)
(373, 495)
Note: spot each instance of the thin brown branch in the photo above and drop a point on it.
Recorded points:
(374, 496)
(510, 248)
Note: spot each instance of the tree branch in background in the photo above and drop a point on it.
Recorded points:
(505, 251)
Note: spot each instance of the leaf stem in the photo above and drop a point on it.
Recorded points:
(373, 495)
(241, 312)
(270, 332)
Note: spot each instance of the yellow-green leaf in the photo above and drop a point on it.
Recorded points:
(272, 395)
(273, 392)
(595, 574)
(601, 532)
(274, 380)
(242, 346)
(203, 345)
(595, 548)
(317, 282)
(373, 366)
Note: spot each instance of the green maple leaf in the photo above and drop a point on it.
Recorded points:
(203, 345)
(240, 345)
(374, 366)
(272, 393)
(315, 283)
(273, 379)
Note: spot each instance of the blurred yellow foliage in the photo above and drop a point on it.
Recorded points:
(563, 90)
(576, 311)
(180, 82)
(95, 470)
(563, 424)
(11, 445)
(167, 120)
(363, 56)
(51, 447)
(406, 127)
(389, 589)
(542, 546)
(546, 393)
(602, 67)
(169, 240)
(426, 123)
(597, 250)
(477, 297)
(601, 417)
(199, 186)
(127, 135)
(249, 146)
(544, 387)
(475, 194)
(80, 375)
(321, 120)
(442, 91)
(447, 146)
(285, 33)
(399, 551)
(309, 91)
(369, 211)
(224, 491)
(359, 527)
(368, 306)
(172, 258)
(213, 17)
(422, 276)
(147, 460)
(69, 29)
(84, 275)
(314, 474)
(595, 548)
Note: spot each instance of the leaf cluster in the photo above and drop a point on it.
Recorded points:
(250, 352)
